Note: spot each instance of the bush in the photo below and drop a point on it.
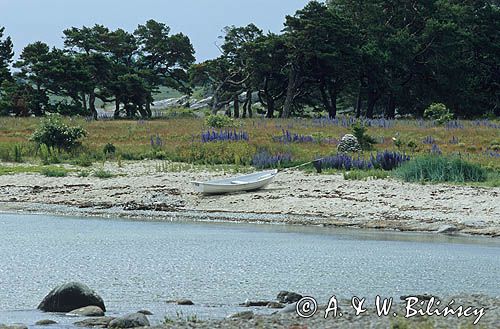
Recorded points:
(436, 168)
(53, 132)
(345, 162)
(109, 149)
(263, 159)
(365, 141)
(438, 112)
(388, 160)
(84, 160)
(219, 121)
(47, 155)
(223, 136)
(349, 143)
(238, 153)
(101, 173)
(11, 154)
(54, 172)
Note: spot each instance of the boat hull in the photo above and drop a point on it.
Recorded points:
(250, 182)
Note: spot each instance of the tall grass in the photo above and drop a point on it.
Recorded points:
(434, 168)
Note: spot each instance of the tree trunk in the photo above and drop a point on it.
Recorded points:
(93, 110)
(373, 97)
(236, 105)
(390, 111)
(84, 102)
(332, 111)
(249, 105)
(245, 109)
(359, 102)
(228, 110)
(149, 114)
(270, 108)
(329, 100)
(117, 108)
(290, 93)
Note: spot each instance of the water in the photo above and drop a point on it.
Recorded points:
(141, 265)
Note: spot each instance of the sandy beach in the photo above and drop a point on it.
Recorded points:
(138, 190)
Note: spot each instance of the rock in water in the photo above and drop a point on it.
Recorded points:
(130, 321)
(88, 311)
(184, 302)
(145, 312)
(14, 326)
(45, 322)
(70, 296)
(288, 297)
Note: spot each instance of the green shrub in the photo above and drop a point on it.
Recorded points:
(83, 173)
(109, 149)
(48, 155)
(365, 141)
(239, 153)
(101, 173)
(438, 112)
(54, 172)
(436, 168)
(219, 121)
(54, 133)
(83, 160)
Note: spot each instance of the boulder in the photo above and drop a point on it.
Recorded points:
(184, 302)
(88, 311)
(70, 296)
(130, 321)
(288, 297)
(145, 312)
(45, 322)
(100, 322)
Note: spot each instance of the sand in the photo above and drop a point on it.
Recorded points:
(139, 190)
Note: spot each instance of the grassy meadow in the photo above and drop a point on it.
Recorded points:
(301, 140)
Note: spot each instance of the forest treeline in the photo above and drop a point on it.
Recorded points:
(372, 56)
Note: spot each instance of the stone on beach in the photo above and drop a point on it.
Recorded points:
(70, 296)
(98, 322)
(130, 321)
(88, 311)
(247, 315)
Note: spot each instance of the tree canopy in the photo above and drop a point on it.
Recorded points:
(371, 57)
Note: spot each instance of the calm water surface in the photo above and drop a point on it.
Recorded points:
(141, 265)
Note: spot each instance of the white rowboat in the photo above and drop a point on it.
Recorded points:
(235, 184)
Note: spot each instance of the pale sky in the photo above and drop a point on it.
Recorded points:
(28, 21)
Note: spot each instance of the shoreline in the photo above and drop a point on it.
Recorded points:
(138, 191)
